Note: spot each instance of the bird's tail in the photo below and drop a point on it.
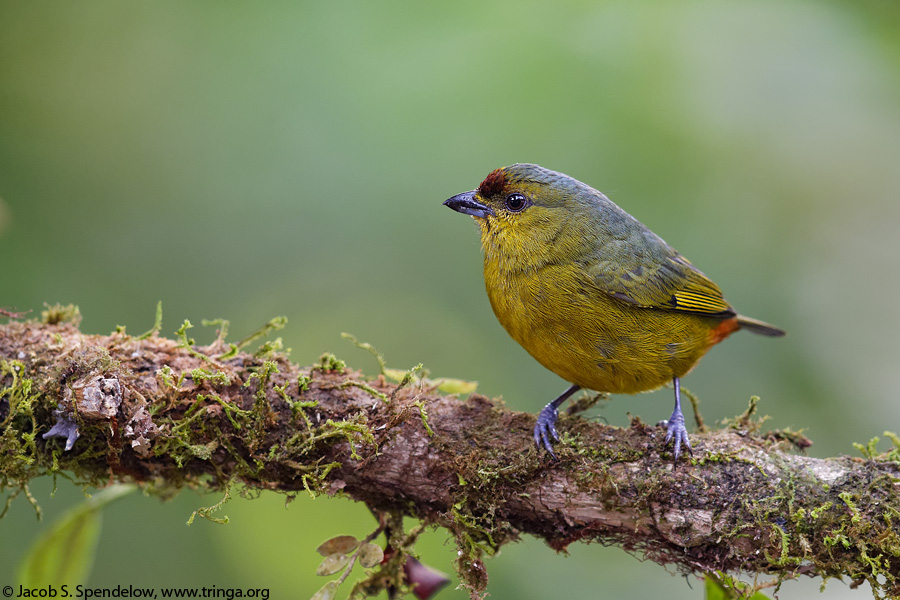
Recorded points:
(759, 327)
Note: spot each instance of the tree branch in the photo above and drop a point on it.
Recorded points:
(168, 415)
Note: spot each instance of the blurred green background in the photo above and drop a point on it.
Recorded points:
(246, 160)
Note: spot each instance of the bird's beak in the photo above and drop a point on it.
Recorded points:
(466, 204)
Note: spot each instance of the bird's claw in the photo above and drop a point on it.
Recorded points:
(545, 429)
(676, 430)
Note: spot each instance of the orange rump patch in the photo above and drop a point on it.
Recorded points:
(723, 330)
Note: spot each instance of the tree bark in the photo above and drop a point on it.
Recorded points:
(169, 415)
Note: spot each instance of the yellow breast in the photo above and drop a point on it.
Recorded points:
(590, 338)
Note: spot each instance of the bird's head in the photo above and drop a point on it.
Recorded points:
(531, 215)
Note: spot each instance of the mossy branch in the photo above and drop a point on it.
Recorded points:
(167, 416)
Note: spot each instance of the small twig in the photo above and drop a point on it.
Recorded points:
(695, 403)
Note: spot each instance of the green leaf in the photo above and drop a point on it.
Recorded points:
(342, 544)
(715, 590)
(370, 555)
(395, 374)
(448, 385)
(328, 591)
(723, 587)
(65, 552)
(455, 386)
(332, 564)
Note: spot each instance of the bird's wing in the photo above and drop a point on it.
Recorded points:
(658, 277)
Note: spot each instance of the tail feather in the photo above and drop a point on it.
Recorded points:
(759, 327)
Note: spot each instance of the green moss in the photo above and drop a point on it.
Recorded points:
(746, 420)
(600, 453)
(329, 363)
(19, 427)
(61, 313)
(303, 381)
(868, 451)
(297, 409)
(474, 539)
(878, 565)
(238, 417)
(188, 438)
(785, 557)
(222, 324)
(262, 410)
(157, 324)
(207, 511)
(795, 439)
(379, 358)
(166, 377)
(272, 325)
(366, 388)
(815, 513)
(420, 404)
(848, 500)
(414, 374)
(188, 342)
(719, 458)
(199, 428)
(355, 431)
(474, 533)
(92, 360)
(270, 349)
(199, 376)
(315, 481)
(307, 442)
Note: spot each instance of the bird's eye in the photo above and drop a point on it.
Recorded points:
(516, 202)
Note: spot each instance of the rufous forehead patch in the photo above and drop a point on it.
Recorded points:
(493, 184)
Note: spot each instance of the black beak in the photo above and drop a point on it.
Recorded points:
(466, 204)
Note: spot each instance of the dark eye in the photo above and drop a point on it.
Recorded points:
(516, 202)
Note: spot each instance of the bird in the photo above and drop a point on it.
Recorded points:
(591, 293)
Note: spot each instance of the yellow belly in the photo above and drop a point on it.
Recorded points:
(590, 338)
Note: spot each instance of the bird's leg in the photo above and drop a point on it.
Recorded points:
(545, 428)
(675, 428)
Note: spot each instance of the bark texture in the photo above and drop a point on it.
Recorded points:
(168, 415)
